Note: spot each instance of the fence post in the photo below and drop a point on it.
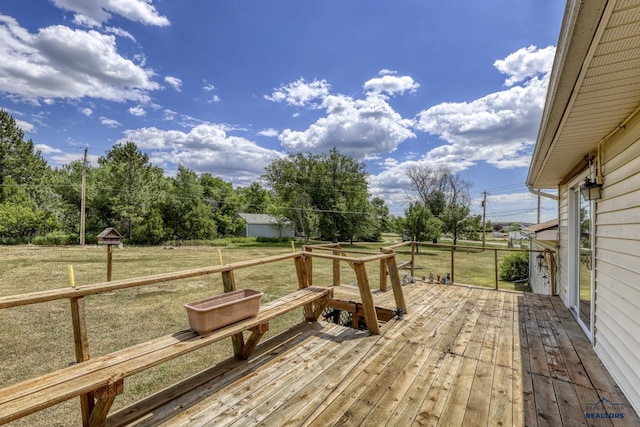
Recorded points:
(229, 284)
(453, 250)
(303, 282)
(495, 263)
(383, 273)
(81, 342)
(413, 256)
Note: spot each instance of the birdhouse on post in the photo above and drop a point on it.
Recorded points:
(111, 240)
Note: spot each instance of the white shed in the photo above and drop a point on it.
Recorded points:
(263, 225)
(589, 139)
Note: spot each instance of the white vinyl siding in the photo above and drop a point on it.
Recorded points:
(617, 289)
(563, 234)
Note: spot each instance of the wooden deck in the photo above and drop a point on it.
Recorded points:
(461, 357)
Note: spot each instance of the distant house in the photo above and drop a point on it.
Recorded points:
(542, 237)
(263, 225)
(588, 152)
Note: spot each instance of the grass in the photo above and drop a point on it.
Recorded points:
(37, 339)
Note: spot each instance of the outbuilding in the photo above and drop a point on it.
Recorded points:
(263, 225)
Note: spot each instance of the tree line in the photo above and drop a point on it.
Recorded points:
(325, 196)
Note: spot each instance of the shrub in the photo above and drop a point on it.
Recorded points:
(515, 267)
(57, 238)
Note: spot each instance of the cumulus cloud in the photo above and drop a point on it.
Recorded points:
(96, 12)
(109, 122)
(87, 111)
(25, 126)
(58, 62)
(525, 63)
(169, 114)
(301, 93)
(174, 82)
(215, 98)
(499, 128)
(390, 84)
(205, 148)
(268, 132)
(137, 111)
(358, 127)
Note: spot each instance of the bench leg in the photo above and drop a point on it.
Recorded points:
(254, 339)
(105, 397)
(320, 306)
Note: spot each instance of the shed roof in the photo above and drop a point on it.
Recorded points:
(594, 87)
(252, 218)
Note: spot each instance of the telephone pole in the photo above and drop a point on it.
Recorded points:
(83, 197)
(484, 215)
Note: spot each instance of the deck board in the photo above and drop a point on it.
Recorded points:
(461, 356)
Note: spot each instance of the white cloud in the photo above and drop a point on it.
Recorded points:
(24, 125)
(499, 128)
(174, 82)
(208, 87)
(215, 98)
(525, 63)
(109, 122)
(119, 32)
(96, 12)
(87, 111)
(58, 62)
(385, 72)
(170, 114)
(271, 132)
(206, 148)
(46, 149)
(390, 84)
(357, 127)
(301, 93)
(137, 111)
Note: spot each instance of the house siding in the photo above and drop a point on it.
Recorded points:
(617, 246)
(563, 238)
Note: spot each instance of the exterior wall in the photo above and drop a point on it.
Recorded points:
(539, 281)
(563, 235)
(617, 246)
(269, 230)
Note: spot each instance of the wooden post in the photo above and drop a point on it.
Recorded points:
(453, 250)
(303, 282)
(370, 315)
(336, 268)
(394, 275)
(309, 267)
(81, 343)
(383, 275)
(495, 263)
(110, 249)
(229, 284)
(413, 256)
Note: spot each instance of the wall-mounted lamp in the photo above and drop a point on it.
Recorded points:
(591, 190)
(539, 261)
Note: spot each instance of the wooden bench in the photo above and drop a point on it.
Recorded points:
(102, 378)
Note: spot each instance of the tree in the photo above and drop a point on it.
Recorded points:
(325, 195)
(20, 218)
(419, 223)
(225, 203)
(256, 199)
(129, 188)
(457, 221)
(381, 212)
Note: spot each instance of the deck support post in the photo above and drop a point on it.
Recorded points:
(370, 315)
(81, 343)
(396, 285)
(254, 339)
(303, 282)
(229, 284)
(105, 397)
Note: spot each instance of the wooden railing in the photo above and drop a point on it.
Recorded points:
(454, 248)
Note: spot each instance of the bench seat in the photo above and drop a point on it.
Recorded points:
(103, 376)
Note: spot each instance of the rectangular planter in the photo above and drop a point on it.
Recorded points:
(218, 311)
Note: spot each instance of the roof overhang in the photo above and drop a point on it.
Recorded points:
(594, 87)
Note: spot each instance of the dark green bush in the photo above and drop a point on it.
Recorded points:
(515, 267)
(57, 238)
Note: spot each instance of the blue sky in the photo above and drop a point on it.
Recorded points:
(227, 86)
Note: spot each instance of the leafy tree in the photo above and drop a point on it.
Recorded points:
(381, 212)
(456, 220)
(256, 198)
(224, 202)
(129, 186)
(20, 218)
(324, 194)
(420, 223)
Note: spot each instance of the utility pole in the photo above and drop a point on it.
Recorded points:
(84, 196)
(484, 215)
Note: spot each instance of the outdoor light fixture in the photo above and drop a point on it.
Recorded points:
(591, 190)
(539, 261)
